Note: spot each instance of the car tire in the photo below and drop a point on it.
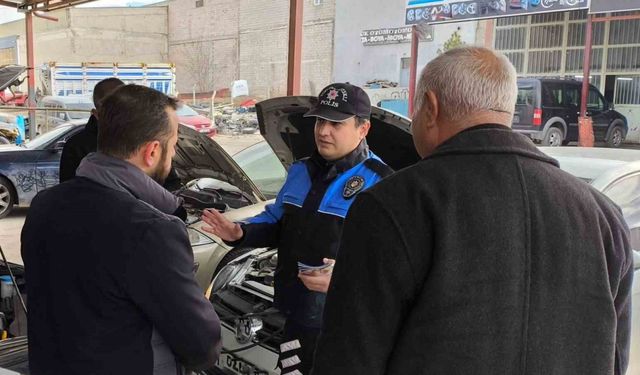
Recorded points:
(616, 136)
(7, 197)
(4, 141)
(565, 142)
(553, 138)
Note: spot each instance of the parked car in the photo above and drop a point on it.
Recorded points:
(189, 117)
(212, 179)
(616, 173)
(284, 129)
(198, 158)
(62, 109)
(242, 291)
(547, 110)
(262, 166)
(32, 167)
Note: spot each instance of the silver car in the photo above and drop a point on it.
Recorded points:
(616, 173)
(243, 290)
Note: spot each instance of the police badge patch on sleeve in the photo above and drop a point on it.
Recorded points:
(353, 186)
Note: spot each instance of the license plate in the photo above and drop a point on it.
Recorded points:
(516, 119)
(237, 365)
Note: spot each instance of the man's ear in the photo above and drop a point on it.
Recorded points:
(150, 152)
(364, 129)
(94, 112)
(430, 108)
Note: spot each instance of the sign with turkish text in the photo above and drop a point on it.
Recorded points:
(386, 36)
(456, 11)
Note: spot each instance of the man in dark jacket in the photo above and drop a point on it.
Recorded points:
(109, 271)
(484, 257)
(86, 141)
(305, 222)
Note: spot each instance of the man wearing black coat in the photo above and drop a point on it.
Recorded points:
(484, 257)
(86, 141)
(109, 269)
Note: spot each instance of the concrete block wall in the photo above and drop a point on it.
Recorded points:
(96, 34)
(264, 33)
(249, 40)
(203, 43)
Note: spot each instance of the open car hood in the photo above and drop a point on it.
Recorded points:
(198, 156)
(10, 74)
(291, 135)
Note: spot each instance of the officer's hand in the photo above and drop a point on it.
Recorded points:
(318, 281)
(221, 226)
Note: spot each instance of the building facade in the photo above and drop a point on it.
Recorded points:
(214, 42)
(552, 45)
(123, 35)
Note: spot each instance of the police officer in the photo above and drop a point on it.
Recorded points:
(305, 221)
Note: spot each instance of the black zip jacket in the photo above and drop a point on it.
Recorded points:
(110, 286)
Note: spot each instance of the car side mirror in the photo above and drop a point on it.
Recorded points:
(58, 146)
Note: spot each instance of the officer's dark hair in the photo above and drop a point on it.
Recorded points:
(131, 116)
(104, 88)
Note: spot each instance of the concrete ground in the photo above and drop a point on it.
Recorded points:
(11, 226)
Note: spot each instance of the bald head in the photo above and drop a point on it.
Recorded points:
(468, 80)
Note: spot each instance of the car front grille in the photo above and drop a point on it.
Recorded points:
(233, 302)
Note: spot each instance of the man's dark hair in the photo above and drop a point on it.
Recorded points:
(131, 116)
(104, 88)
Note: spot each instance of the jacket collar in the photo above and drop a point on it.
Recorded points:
(123, 176)
(334, 168)
(491, 139)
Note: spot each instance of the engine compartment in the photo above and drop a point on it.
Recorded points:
(204, 193)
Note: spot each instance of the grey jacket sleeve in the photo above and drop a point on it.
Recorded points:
(160, 280)
(370, 293)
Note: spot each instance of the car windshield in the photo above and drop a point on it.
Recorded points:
(262, 166)
(44, 139)
(185, 110)
(80, 115)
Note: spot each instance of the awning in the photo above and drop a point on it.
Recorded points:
(44, 5)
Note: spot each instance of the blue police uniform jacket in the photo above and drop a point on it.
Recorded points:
(305, 223)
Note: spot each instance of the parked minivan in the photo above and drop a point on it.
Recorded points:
(547, 110)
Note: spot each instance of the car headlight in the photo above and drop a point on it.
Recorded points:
(197, 238)
(232, 273)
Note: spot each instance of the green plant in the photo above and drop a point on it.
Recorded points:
(454, 41)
